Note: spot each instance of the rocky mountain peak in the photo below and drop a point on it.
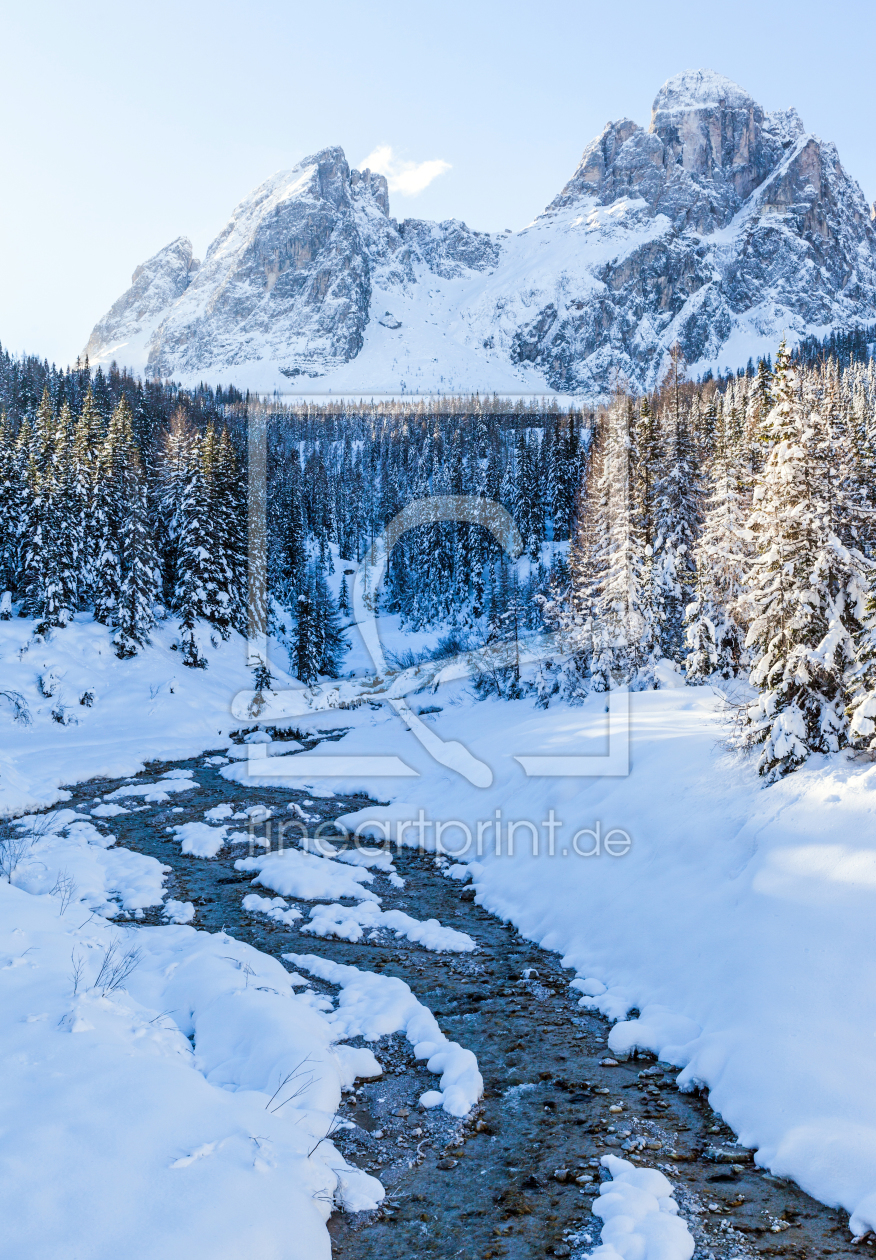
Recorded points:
(699, 89)
(371, 185)
(156, 284)
(712, 129)
(719, 227)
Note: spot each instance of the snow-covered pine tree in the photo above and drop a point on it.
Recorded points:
(230, 510)
(15, 506)
(329, 643)
(601, 621)
(117, 450)
(193, 596)
(806, 596)
(52, 565)
(621, 629)
(178, 459)
(676, 528)
(644, 470)
(759, 404)
(223, 566)
(715, 634)
(292, 561)
(87, 436)
(135, 613)
(305, 658)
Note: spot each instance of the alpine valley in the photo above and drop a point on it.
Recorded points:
(719, 227)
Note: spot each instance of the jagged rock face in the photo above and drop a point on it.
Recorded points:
(732, 225)
(289, 277)
(720, 227)
(155, 286)
(449, 249)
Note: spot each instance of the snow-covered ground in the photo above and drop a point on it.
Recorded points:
(174, 1086)
(115, 715)
(737, 920)
(166, 1106)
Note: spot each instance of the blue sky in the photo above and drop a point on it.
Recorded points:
(126, 125)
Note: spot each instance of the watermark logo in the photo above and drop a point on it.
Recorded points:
(450, 838)
(390, 688)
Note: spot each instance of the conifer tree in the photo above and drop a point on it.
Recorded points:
(806, 597)
(116, 452)
(305, 659)
(135, 615)
(715, 635)
(676, 528)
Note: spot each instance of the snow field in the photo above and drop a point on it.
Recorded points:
(149, 707)
(163, 1105)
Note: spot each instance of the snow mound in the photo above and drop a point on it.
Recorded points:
(272, 907)
(200, 840)
(373, 1006)
(293, 873)
(349, 923)
(153, 793)
(640, 1215)
(179, 911)
(68, 856)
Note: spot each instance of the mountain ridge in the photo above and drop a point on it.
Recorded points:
(720, 226)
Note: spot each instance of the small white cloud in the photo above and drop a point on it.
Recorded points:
(407, 178)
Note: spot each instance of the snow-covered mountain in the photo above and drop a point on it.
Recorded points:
(720, 226)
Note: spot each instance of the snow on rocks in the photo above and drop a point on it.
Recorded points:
(200, 840)
(372, 859)
(274, 907)
(186, 1103)
(218, 812)
(657, 1029)
(350, 923)
(589, 986)
(373, 1006)
(293, 873)
(178, 911)
(641, 1220)
(158, 792)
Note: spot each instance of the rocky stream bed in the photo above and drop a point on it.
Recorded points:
(517, 1177)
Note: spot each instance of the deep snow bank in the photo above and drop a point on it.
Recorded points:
(737, 919)
(114, 715)
(151, 1107)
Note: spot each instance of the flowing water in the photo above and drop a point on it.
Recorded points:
(517, 1177)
